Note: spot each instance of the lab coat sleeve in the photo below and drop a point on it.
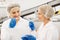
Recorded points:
(52, 34)
(4, 33)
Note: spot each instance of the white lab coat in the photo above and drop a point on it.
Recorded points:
(48, 32)
(21, 29)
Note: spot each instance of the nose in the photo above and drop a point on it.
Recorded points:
(17, 14)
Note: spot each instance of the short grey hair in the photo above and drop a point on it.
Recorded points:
(47, 10)
(12, 6)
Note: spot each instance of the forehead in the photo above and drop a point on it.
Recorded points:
(14, 9)
(40, 11)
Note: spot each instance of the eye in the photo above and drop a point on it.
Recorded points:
(18, 11)
(14, 12)
(39, 13)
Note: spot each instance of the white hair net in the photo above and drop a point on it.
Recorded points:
(47, 10)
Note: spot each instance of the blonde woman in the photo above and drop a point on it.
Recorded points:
(47, 30)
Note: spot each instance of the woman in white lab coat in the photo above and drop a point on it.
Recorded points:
(20, 29)
(47, 30)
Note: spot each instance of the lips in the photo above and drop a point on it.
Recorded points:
(15, 16)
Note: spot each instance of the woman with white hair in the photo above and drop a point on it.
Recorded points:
(47, 30)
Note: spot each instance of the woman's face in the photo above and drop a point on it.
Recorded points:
(40, 15)
(15, 13)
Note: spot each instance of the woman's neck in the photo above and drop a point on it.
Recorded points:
(46, 21)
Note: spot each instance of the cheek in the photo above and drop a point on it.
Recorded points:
(19, 14)
(39, 16)
(12, 15)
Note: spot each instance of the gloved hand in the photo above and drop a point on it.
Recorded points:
(12, 23)
(31, 25)
(28, 37)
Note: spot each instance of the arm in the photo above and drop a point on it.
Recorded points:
(4, 33)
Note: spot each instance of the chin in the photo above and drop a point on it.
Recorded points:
(17, 18)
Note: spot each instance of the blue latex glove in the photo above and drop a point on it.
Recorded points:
(24, 38)
(12, 23)
(31, 25)
(28, 37)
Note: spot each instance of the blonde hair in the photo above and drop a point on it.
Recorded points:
(47, 10)
(12, 6)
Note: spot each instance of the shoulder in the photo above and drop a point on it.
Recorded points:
(52, 27)
(24, 20)
(51, 24)
(6, 22)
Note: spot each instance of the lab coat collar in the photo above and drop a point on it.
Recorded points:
(48, 24)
